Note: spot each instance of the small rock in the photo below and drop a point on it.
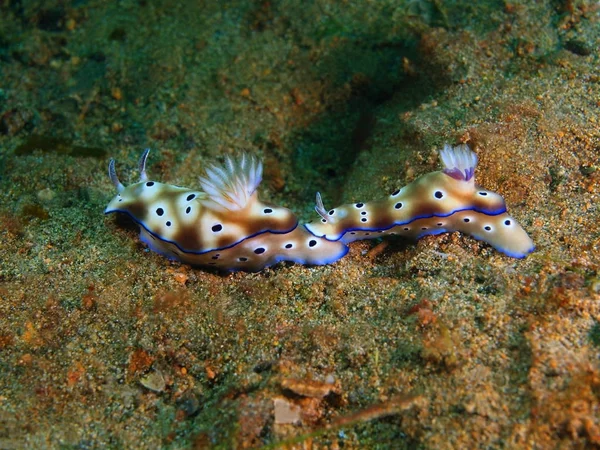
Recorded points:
(15, 120)
(154, 381)
(308, 388)
(578, 47)
(188, 403)
(46, 195)
(286, 412)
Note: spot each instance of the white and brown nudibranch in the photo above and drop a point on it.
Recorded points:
(438, 202)
(224, 224)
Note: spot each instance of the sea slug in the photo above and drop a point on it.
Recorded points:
(224, 225)
(438, 202)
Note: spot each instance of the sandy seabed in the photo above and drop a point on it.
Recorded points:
(442, 343)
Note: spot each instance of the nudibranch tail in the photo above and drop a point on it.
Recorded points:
(501, 231)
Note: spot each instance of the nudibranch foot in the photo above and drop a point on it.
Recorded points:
(500, 231)
(258, 252)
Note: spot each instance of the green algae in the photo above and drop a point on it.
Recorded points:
(34, 211)
(594, 334)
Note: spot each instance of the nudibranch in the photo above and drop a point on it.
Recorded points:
(438, 202)
(223, 224)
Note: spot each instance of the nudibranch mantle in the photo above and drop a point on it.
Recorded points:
(224, 225)
(438, 202)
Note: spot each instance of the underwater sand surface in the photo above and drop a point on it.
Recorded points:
(442, 343)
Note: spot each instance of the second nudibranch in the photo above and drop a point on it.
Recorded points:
(438, 202)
